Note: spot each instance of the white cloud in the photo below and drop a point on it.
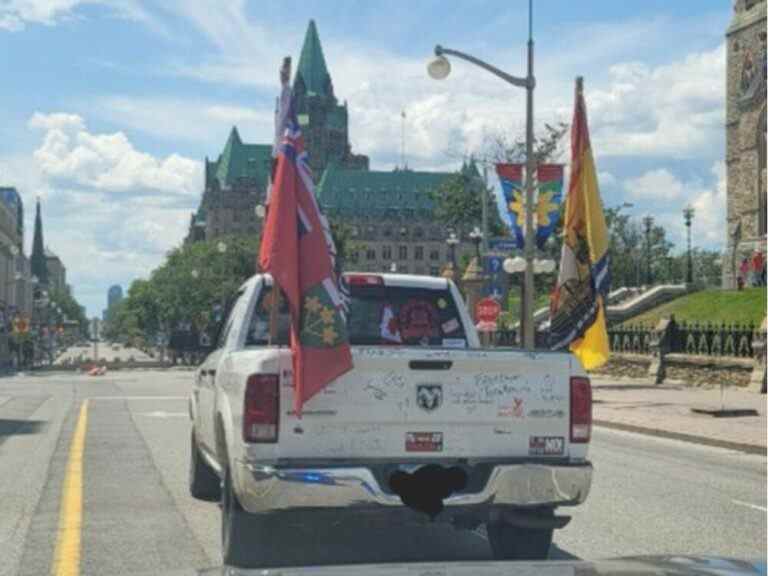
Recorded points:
(16, 14)
(110, 211)
(670, 110)
(710, 207)
(658, 184)
(108, 162)
(664, 196)
(675, 110)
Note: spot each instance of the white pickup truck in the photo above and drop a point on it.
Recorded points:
(428, 426)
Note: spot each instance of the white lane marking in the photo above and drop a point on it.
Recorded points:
(161, 414)
(748, 505)
(139, 397)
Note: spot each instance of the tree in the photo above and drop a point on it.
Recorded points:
(192, 281)
(70, 308)
(459, 200)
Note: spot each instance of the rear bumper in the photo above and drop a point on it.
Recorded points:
(265, 489)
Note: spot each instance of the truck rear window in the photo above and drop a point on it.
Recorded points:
(379, 316)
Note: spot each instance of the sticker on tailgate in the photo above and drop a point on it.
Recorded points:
(423, 441)
(546, 446)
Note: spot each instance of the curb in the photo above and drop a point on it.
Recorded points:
(693, 439)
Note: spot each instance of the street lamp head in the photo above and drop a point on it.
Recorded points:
(260, 211)
(221, 247)
(439, 68)
(514, 265)
(546, 266)
(452, 239)
(476, 234)
(195, 274)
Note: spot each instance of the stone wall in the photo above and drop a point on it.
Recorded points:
(697, 371)
(625, 366)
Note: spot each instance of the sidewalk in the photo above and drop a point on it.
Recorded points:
(665, 410)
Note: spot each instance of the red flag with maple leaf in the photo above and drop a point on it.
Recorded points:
(298, 251)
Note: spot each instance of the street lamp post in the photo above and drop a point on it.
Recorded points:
(477, 237)
(688, 213)
(439, 69)
(648, 222)
(452, 241)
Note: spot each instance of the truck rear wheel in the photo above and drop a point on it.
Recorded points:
(204, 484)
(510, 542)
(245, 538)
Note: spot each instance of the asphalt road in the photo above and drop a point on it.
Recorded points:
(109, 352)
(650, 496)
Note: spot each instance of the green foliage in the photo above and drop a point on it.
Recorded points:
(459, 203)
(70, 307)
(194, 278)
(512, 313)
(717, 306)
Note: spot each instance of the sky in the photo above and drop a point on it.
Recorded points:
(108, 107)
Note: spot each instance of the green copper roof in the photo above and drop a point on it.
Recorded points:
(396, 194)
(239, 160)
(312, 68)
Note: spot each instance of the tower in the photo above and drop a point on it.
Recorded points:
(323, 120)
(745, 135)
(37, 261)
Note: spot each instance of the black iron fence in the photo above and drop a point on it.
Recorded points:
(708, 339)
(510, 337)
(631, 339)
(698, 339)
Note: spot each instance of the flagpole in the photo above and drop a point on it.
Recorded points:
(530, 168)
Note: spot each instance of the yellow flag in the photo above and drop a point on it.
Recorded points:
(577, 316)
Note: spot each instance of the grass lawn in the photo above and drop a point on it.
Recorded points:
(717, 306)
(511, 314)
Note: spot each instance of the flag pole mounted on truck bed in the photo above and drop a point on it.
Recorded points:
(280, 117)
(297, 251)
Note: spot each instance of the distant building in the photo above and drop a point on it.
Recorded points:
(114, 295)
(745, 134)
(391, 213)
(57, 272)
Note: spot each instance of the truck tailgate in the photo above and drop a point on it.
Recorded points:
(413, 403)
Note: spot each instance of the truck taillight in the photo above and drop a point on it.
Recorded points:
(581, 409)
(364, 280)
(261, 409)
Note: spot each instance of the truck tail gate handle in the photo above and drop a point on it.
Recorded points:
(430, 364)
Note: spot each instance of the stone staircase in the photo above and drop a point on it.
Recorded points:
(626, 302)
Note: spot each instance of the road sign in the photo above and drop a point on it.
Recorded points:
(495, 290)
(487, 310)
(502, 244)
(493, 264)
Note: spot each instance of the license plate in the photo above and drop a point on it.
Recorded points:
(423, 441)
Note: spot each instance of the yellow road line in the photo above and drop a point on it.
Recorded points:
(66, 557)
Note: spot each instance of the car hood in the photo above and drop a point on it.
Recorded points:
(634, 566)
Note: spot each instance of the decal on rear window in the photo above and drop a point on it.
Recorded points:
(390, 325)
(450, 326)
(418, 319)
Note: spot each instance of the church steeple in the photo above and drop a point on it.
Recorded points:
(312, 68)
(37, 261)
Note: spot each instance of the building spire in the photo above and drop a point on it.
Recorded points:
(37, 261)
(312, 68)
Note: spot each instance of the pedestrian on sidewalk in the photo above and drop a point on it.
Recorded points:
(757, 267)
(743, 273)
